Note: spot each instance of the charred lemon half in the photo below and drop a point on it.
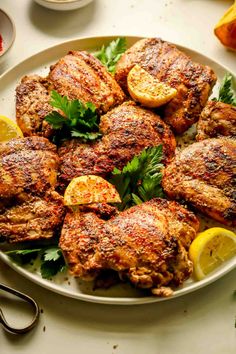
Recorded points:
(90, 189)
(148, 90)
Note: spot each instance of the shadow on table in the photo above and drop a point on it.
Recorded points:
(82, 316)
(61, 23)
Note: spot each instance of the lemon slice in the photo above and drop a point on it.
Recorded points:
(8, 129)
(148, 90)
(210, 249)
(90, 189)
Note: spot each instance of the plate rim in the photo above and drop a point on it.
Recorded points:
(102, 299)
(47, 284)
(107, 38)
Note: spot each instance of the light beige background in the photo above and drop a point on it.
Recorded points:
(202, 322)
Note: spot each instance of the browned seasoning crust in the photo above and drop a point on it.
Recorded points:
(30, 209)
(217, 119)
(168, 64)
(127, 130)
(146, 244)
(32, 105)
(79, 75)
(27, 165)
(30, 143)
(31, 218)
(204, 174)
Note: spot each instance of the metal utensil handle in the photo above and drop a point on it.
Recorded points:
(28, 299)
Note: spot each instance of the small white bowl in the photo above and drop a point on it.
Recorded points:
(8, 34)
(63, 5)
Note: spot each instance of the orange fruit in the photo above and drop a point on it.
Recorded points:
(225, 29)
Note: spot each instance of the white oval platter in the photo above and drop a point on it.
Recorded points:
(122, 294)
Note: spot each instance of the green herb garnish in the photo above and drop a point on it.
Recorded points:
(226, 91)
(52, 262)
(51, 259)
(110, 54)
(24, 256)
(140, 179)
(79, 120)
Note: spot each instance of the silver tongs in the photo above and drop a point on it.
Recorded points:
(26, 298)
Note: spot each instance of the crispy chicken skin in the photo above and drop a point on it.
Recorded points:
(79, 75)
(30, 143)
(146, 244)
(27, 165)
(165, 62)
(30, 209)
(204, 175)
(127, 130)
(32, 105)
(217, 119)
(31, 218)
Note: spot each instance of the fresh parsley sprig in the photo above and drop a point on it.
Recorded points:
(110, 54)
(78, 120)
(226, 91)
(51, 259)
(140, 179)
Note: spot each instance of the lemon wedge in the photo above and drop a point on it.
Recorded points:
(9, 129)
(210, 249)
(148, 90)
(225, 29)
(90, 189)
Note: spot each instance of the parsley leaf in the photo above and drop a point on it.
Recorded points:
(23, 256)
(79, 120)
(51, 259)
(140, 179)
(52, 262)
(52, 254)
(226, 91)
(110, 55)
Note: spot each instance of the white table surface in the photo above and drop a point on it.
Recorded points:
(201, 322)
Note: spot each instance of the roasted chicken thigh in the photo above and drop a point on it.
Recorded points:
(31, 218)
(204, 174)
(146, 244)
(27, 165)
(127, 130)
(217, 119)
(168, 64)
(30, 209)
(78, 75)
(32, 105)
